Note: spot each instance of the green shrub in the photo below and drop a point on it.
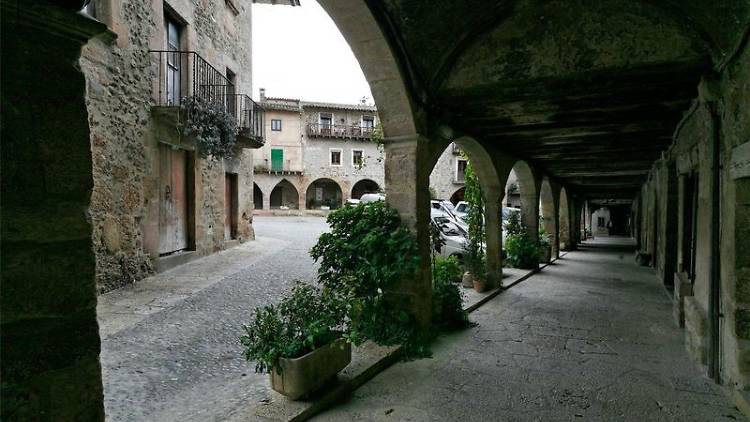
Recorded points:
(446, 270)
(474, 254)
(522, 252)
(366, 253)
(214, 129)
(447, 300)
(304, 321)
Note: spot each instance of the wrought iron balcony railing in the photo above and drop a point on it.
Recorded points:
(185, 73)
(324, 130)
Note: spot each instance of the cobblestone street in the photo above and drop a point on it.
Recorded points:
(170, 348)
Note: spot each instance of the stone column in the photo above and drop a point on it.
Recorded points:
(530, 212)
(49, 335)
(407, 181)
(493, 234)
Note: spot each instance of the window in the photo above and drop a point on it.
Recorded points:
(368, 122)
(173, 32)
(277, 159)
(460, 170)
(335, 157)
(357, 158)
(276, 125)
(600, 222)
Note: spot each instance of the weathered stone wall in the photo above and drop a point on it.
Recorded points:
(49, 338)
(121, 76)
(691, 152)
(443, 176)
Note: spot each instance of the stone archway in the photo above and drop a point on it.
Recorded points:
(284, 194)
(548, 200)
(529, 187)
(457, 196)
(364, 186)
(563, 235)
(257, 197)
(322, 193)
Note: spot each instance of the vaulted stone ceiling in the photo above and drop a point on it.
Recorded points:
(590, 91)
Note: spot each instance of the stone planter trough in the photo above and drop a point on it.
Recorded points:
(304, 375)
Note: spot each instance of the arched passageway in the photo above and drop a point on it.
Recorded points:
(257, 197)
(563, 232)
(284, 194)
(458, 196)
(528, 188)
(364, 186)
(548, 199)
(324, 193)
(486, 173)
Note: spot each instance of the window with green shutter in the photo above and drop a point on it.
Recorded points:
(277, 160)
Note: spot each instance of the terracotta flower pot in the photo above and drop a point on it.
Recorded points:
(480, 286)
(467, 280)
(302, 376)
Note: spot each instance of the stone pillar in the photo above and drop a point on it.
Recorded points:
(49, 335)
(564, 222)
(407, 181)
(493, 234)
(530, 212)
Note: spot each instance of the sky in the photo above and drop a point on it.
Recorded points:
(298, 52)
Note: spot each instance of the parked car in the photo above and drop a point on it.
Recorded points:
(352, 201)
(452, 235)
(461, 208)
(371, 197)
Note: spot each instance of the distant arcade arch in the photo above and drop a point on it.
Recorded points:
(364, 186)
(324, 192)
(284, 194)
(458, 196)
(257, 197)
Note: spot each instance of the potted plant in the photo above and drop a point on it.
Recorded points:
(545, 247)
(474, 253)
(299, 341)
(522, 251)
(447, 301)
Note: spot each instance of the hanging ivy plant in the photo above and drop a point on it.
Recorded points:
(214, 130)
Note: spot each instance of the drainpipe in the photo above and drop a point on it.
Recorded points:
(709, 92)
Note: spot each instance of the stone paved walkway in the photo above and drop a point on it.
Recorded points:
(589, 338)
(170, 348)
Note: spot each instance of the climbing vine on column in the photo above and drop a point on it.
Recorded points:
(475, 257)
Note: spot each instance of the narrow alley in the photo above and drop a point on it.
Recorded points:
(591, 337)
(170, 344)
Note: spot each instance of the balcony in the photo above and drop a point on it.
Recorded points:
(318, 130)
(264, 166)
(185, 73)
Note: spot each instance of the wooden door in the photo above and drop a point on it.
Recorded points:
(173, 210)
(230, 206)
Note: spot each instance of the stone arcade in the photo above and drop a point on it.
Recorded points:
(640, 102)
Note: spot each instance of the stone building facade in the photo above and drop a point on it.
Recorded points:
(447, 178)
(317, 156)
(156, 202)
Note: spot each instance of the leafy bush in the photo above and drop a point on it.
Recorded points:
(304, 321)
(365, 254)
(447, 301)
(446, 270)
(214, 129)
(522, 251)
(474, 254)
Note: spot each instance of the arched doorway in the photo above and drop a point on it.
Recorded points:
(458, 196)
(257, 197)
(563, 229)
(364, 186)
(549, 215)
(528, 192)
(324, 193)
(284, 195)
